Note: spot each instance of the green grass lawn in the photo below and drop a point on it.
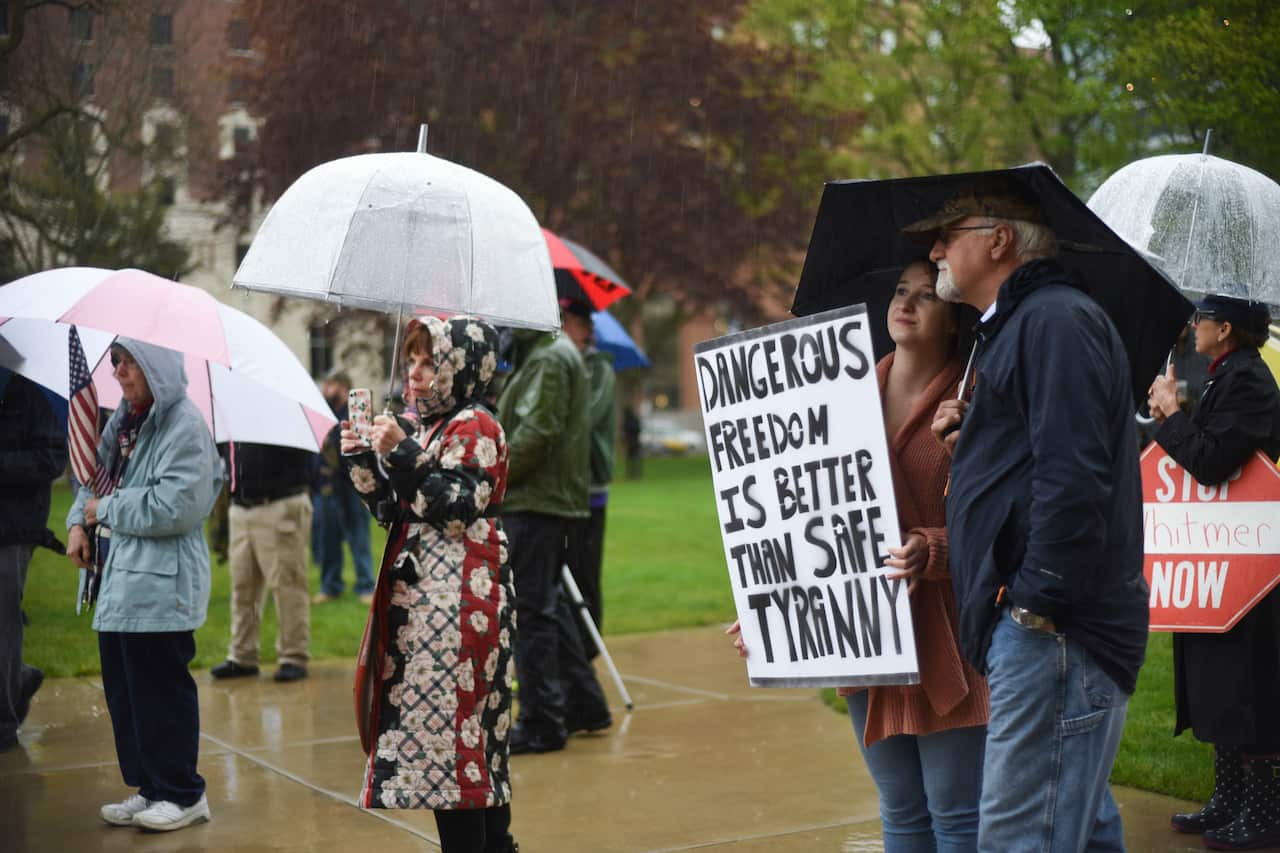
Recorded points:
(664, 568)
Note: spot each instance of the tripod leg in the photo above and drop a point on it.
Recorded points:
(575, 595)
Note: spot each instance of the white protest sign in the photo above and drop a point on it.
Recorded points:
(805, 497)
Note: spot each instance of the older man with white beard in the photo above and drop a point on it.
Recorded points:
(1044, 519)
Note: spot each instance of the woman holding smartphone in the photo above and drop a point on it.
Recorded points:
(440, 635)
(923, 744)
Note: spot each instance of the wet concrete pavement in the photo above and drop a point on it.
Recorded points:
(704, 762)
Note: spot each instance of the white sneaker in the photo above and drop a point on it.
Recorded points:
(164, 816)
(121, 814)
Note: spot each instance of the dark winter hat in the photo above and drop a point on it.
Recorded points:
(577, 307)
(997, 198)
(1248, 315)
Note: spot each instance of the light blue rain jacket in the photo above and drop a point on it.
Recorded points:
(157, 572)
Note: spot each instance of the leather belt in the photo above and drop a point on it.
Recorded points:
(1034, 621)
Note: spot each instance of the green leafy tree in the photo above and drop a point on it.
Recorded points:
(1085, 85)
(930, 81)
(71, 134)
(62, 216)
(1187, 67)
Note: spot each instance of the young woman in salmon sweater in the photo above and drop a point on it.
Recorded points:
(922, 743)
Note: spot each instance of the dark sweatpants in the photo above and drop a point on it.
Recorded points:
(586, 557)
(155, 712)
(14, 560)
(556, 679)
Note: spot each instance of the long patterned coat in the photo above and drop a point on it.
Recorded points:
(444, 609)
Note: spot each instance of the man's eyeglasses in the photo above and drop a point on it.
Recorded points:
(117, 358)
(947, 235)
(1202, 315)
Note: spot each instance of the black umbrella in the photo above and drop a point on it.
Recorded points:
(858, 248)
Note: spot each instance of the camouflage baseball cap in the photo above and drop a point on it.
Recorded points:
(995, 198)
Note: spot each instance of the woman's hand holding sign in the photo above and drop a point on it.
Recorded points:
(735, 631)
(911, 560)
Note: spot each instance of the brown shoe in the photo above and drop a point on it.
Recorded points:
(323, 598)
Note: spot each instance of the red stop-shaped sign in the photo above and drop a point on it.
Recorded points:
(1212, 552)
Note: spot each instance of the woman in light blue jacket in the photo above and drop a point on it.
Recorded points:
(162, 478)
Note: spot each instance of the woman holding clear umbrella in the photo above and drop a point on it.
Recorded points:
(442, 613)
(1227, 686)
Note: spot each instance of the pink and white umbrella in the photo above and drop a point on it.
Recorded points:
(243, 378)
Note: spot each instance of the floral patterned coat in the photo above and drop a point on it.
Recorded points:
(445, 607)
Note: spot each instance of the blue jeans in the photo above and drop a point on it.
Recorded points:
(341, 516)
(1056, 721)
(928, 785)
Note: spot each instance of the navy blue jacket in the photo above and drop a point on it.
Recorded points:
(33, 453)
(1046, 495)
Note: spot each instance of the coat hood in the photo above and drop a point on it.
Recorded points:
(524, 342)
(166, 376)
(1021, 283)
(465, 352)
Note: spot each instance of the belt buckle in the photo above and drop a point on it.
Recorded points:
(1034, 621)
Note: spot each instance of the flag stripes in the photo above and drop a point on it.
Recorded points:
(82, 420)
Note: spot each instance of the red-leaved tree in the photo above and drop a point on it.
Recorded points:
(653, 133)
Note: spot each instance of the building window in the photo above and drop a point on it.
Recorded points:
(162, 82)
(321, 339)
(161, 30)
(81, 80)
(237, 89)
(238, 34)
(166, 190)
(4, 18)
(241, 138)
(165, 141)
(81, 21)
(4, 125)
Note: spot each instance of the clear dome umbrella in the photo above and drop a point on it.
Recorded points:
(1211, 224)
(406, 233)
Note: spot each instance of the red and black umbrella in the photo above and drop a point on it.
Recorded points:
(581, 275)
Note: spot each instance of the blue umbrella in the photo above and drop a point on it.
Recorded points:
(612, 338)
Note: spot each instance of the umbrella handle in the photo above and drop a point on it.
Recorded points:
(1147, 420)
(395, 359)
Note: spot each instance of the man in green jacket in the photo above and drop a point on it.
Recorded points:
(543, 411)
(586, 538)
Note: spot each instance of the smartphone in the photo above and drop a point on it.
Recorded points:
(360, 411)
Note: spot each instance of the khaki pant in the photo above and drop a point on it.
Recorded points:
(269, 551)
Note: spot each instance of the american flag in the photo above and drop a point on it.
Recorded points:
(82, 421)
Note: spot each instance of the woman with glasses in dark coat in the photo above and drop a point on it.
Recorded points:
(1227, 686)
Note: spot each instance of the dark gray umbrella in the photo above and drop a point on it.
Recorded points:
(858, 246)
